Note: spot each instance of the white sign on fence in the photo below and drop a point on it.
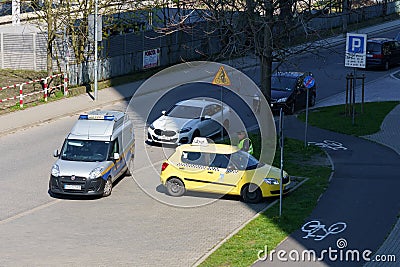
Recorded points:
(151, 58)
(356, 50)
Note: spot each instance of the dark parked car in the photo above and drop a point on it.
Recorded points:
(382, 52)
(289, 90)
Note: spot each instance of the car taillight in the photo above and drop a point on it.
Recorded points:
(377, 56)
(164, 166)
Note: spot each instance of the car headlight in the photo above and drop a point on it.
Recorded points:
(282, 100)
(185, 130)
(96, 173)
(271, 181)
(152, 126)
(55, 170)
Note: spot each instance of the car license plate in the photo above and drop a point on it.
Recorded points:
(72, 187)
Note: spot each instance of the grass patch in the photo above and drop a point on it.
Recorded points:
(333, 118)
(269, 229)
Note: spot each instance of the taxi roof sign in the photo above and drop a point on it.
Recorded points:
(221, 78)
(202, 141)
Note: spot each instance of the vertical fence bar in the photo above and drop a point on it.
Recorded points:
(34, 51)
(2, 50)
(66, 83)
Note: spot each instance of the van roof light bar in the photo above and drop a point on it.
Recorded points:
(96, 117)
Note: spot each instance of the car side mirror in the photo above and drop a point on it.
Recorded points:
(56, 153)
(163, 112)
(116, 156)
(205, 118)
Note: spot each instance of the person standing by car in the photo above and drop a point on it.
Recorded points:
(245, 143)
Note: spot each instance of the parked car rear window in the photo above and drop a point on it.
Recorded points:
(374, 48)
(283, 83)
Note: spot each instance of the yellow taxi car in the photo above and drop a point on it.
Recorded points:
(222, 169)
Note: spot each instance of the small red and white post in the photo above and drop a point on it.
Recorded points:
(21, 96)
(65, 84)
(45, 89)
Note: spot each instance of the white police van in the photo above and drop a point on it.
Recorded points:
(95, 153)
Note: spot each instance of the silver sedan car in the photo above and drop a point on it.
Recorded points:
(189, 119)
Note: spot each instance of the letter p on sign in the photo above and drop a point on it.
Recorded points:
(356, 44)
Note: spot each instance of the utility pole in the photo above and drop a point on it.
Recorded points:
(95, 48)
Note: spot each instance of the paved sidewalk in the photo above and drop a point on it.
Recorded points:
(389, 136)
(385, 89)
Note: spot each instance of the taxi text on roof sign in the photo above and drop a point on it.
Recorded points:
(221, 78)
(202, 141)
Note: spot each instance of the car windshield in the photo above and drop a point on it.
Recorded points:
(85, 150)
(282, 83)
(186, 112)
(243, 160)
(373, 48)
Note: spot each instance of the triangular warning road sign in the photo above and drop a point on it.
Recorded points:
(221, 78)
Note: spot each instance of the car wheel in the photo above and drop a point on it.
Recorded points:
(129, 167)
(175, 187)
(251, 193)
(107, 187)
(226, 127)
(312, 100)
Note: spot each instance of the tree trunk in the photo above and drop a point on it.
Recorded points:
(266, 52)
(266, 72)
(344, 15)
(50, 37)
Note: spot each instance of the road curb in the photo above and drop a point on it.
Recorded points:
(219, 244)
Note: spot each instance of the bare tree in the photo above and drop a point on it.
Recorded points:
(266, 28)
(70, 18)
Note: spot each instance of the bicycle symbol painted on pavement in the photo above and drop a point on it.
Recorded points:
(312, 227)
(329, 144)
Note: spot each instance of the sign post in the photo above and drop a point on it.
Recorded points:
(356, 57)
(222, 79)
(281, 140)
(308, 82)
